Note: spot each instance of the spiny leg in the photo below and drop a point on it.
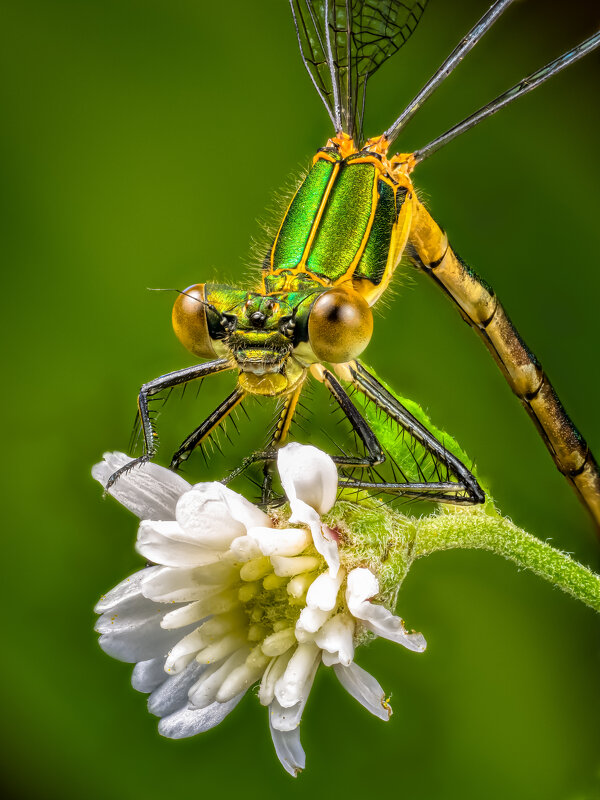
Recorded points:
(181, 376)
(481, 309)
(213, 420)
(465, 490)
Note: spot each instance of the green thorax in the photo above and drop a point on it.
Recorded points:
(340, 222)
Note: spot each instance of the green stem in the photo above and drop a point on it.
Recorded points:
(478, 528)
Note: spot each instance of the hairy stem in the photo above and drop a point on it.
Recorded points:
(485, 529)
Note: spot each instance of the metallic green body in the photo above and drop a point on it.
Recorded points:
(340, 222)
(298, 221)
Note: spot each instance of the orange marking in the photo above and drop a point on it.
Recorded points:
(285, 420)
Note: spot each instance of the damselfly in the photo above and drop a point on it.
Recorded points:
(349, 224)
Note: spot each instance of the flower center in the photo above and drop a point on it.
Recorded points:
(272, 595)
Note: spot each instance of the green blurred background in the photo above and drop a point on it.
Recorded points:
(140, 141)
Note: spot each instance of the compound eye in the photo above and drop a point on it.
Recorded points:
(189, 321)
(340, 325)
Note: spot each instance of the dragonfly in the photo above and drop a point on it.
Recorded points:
(351, 221)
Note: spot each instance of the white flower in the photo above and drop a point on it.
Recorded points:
(237, 597)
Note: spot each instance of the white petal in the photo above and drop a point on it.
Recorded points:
(124, 591)
(273, 672)
(218, 603)
(329, 659)
(150, 491)
(184, 651)
(168, 544)
(145, 641)
(204, 691)
(189, 722)
(215, 515)
(172, 694)
(308, 475)
(242, 677)
(286, 719)
(290, 688)
(311, 619)
(244, 549)
(178, 585)
(289, 750)
(324, 590)
(336, 637)
(230, 643)
(310, 486)
(148, 675)
(364, 688)
(362, 584)
(279, 642)
(281, 542)
(128, 617)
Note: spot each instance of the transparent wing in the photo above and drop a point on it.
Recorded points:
(343, 42)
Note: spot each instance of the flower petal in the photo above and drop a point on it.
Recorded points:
(245, 549)
(310, 620)
(127, 617)
(242, 677)
(273, 672)
(148, 675)
(218, 603)
(310, 485)
(308, 475)
(189, 722)
(281, 542)
(150, 491)
(215, 515)
(177, 585)
(364, 688)
(298, 676)
(172, 694)
(363, 584)
(203, 693)
(128, 589)
(289, 750)
(336, 637)
(168, 544)
(324, 590)
(143, 642)
(286, 719)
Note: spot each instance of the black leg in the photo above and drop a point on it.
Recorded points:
(181, 376)
(465, 490)
(209, 424)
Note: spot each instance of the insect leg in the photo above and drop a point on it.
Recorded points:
(360, 425)
(466, 490)
(481, 309)
(279, 435)
(210, 423)
(181, 376)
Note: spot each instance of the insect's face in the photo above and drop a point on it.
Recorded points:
(272, 338)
